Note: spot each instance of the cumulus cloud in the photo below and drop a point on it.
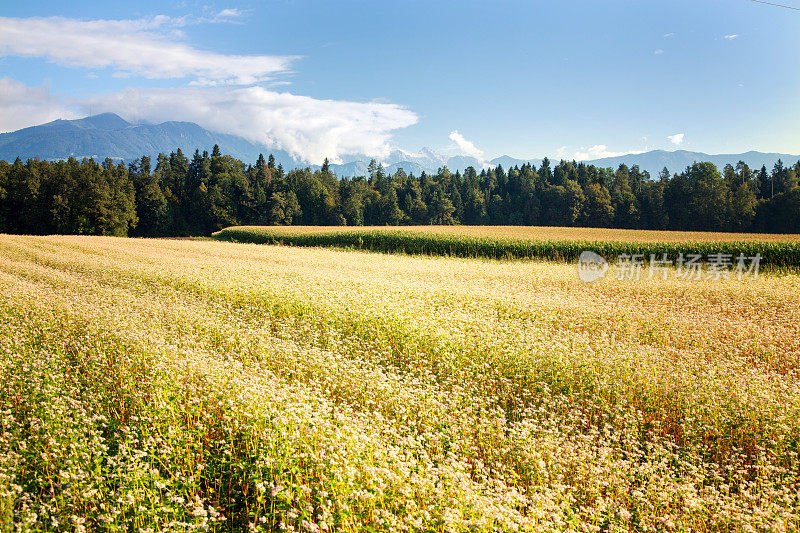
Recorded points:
(676, 139)
(731, 37)
(140, 47)
(466, 147)
(598, 151)
(658, 51)
(309, 128)
(22, 106)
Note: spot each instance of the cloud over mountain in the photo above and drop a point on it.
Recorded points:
(22, 106)
(677, 139)
(309, 128)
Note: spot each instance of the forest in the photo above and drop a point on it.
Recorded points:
(178, 196)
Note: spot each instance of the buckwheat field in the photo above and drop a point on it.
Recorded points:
(165, 385)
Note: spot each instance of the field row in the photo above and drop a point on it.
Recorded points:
(556, 244)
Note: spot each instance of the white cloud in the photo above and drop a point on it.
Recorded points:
(598, 151)
(466, 147)
(229, 14)
(676, 139)
(731, 37)
(306, 127)
(140, 47)
(658, 51)
(670, 34)
(22, 106)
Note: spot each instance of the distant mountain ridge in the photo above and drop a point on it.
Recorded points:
(109, 135)
(655, 160)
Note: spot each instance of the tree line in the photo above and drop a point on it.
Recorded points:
(178, 196)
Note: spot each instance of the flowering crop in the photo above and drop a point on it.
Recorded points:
(159, 385)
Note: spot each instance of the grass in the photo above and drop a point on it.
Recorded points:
(503, 242)
(165, 385)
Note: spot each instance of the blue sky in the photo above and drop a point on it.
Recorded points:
(524, 78)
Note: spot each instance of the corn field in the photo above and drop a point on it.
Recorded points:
(777, 252)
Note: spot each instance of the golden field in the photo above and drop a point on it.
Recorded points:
(165, 385)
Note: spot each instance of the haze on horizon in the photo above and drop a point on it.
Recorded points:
(582, 79)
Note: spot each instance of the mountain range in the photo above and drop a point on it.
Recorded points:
(109, 135)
